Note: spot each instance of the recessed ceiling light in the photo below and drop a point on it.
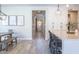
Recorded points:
(67, 5)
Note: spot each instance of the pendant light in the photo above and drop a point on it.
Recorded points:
(58, 10)
(2, 14)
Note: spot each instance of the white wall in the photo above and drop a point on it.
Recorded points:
(26, 10)
(22, 31)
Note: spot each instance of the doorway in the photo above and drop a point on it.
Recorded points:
(38, 24)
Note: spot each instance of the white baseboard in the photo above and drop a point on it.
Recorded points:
(24, 38)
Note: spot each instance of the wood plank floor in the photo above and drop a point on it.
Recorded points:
(29, 47)
(36, 46)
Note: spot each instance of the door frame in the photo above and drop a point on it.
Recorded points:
(44, 22)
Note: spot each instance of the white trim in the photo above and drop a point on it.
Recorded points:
(24, 38)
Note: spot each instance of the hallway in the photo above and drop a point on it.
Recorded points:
(38, 35)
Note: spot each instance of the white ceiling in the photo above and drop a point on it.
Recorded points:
(75, 5)
(42, 4)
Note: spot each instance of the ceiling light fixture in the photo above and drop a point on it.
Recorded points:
(67, 5)
(2, 14)
(58, 10)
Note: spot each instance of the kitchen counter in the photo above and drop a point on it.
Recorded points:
(70, 42)
(64, 35)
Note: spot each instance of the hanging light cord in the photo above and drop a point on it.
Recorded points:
(2, 14)
(58, 8)
(0, 7)
(1, 11)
